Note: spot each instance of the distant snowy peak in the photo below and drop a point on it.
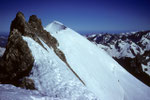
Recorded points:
(3, 40)
(55, 27)
(124, 44)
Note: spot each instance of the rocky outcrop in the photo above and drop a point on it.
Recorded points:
(17, 60)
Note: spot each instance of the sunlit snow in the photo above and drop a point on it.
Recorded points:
(51, 75)
(101, 74)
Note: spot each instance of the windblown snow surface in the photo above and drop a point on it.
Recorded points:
(100, 73)
(10, 92)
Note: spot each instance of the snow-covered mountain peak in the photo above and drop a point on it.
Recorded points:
(33, 61)
(57, 22)
(58, 64)
(91, 65)
(55, 27)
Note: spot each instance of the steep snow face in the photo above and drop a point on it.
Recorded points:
(51, 75)
(100, 73)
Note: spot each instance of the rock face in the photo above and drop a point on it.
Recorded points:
(17, 60)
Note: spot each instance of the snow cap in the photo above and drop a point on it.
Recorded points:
(55, 27)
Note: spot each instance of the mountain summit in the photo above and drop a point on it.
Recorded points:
(58, 63)
(55, 27)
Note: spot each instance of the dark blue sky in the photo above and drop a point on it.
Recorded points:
(82, 15)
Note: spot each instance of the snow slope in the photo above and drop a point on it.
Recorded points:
(10, 92)
(100, 73)
(51, 75)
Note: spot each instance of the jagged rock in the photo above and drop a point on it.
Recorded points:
(18, 23)
(17, 60)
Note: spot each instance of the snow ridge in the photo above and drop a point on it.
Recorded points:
(51, 75)
(101, 74)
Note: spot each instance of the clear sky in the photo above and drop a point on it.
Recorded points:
(82, 15)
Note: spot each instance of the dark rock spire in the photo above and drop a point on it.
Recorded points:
(18, 23)
(35, 22)
(17, 60)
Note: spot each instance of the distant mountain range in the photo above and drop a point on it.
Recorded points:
(3, 40)
(131, 50)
